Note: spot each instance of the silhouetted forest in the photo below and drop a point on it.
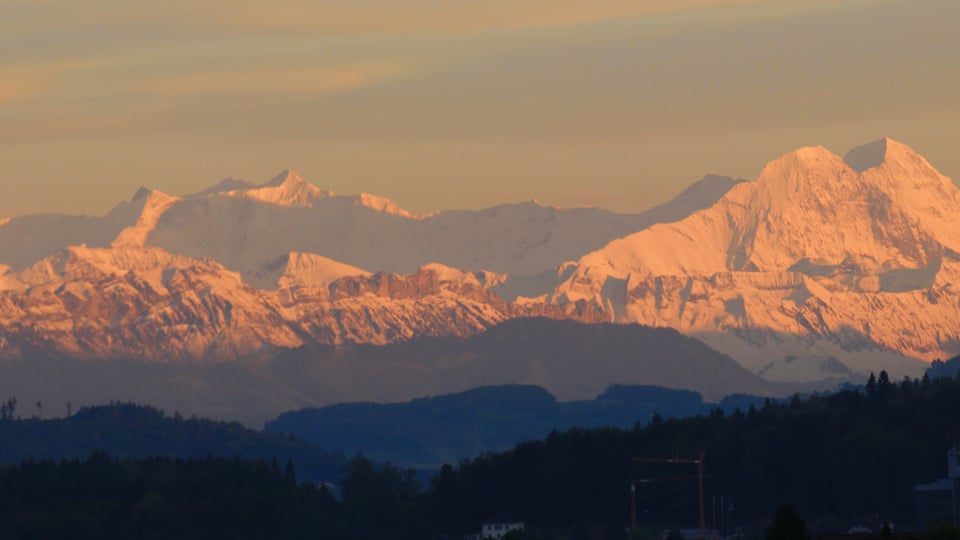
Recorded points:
(128, 430)
(163, 498)
(849, 454)
(835, 458)
(452, 427)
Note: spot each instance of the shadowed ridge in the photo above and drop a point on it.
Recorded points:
(878, 153)
(867, 156)
(286, 176)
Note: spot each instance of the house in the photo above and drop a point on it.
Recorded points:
(693, 534)
(497, 527)
(937, 502)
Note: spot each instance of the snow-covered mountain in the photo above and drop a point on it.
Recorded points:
(247, 271)
(821, 267)
(145, 303)
(249, 227)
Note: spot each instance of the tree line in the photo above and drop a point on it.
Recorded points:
(835, 458)
(130, 430)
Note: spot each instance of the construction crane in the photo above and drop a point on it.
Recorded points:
(698, 461)
(633, 492)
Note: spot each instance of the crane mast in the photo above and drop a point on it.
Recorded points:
(698, 461)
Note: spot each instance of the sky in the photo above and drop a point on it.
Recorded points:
(438, 104)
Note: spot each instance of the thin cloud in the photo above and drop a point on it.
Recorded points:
(335, 16)
(13, 90)
(27, 82)
(80, 119)
(301, 80)
(438, 16)
(55, 102)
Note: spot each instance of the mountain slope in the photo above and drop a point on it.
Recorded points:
(302, 269)
(146, 303)
(217, 294)
(249, 228)
(813, 254)
(571, 360)
(103, 303)
(821, 267)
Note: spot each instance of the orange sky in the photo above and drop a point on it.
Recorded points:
(438, 104)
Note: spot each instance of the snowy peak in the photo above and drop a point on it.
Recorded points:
(879, 153)
(925, 199)
(805, 158)
(702, 194)
(862, 252)
(289, 189)
(91, 265)
(804, 202)
(812, 167)
(818, 263)
(141, 193)
(225, 185)
(807, 204)
(867, 156)
(286, 177)
(119, 261)
(710, 187)
(898, 169)
(449, 275)
(384, 205)
(312, 270)
(151, 205)
(286, 189)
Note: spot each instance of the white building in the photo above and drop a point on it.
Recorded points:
(498, 526)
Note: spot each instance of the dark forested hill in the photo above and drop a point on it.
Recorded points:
(431, 431)
(126, 430)
(211, 498)
(836, 458)
(853, 453)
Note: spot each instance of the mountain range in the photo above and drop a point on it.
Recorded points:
(822, 267)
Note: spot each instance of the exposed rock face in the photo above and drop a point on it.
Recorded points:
(135, 303)
(144, 303)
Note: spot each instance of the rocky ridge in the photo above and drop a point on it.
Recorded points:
(147, 304)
